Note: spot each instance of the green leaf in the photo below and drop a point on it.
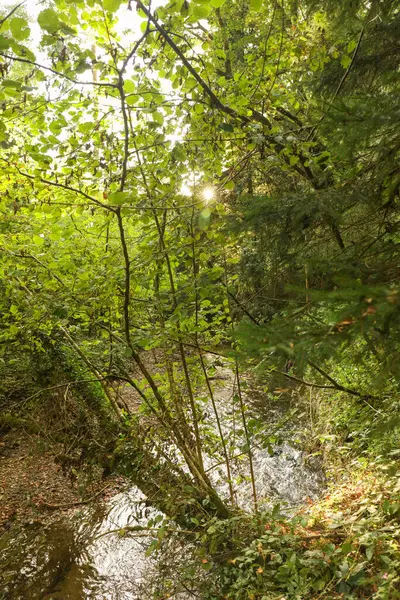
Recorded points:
(118, 197)
(217, 3)
(49, 21)
(319, 585)
(346, 61)
(201, 12)
(132, 100)
(38, 240)
(13, 309)
(21, 50)
(55, 127)
(189, 84)
(255, 4)
(226, 127)
(369, 552)
(351, 46)
(4, 43)
(158, 118)
(112, 5)
(10, 83)
(86, 127)
(129, 86)
(19, 28)
(66, 29)
(3, 131)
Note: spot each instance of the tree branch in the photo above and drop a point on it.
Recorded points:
(334, 383)
(65, 187)
(298, 380)
(257, 116)
(35, 64)
(11, 13)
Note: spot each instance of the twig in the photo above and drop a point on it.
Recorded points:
(35, 64)
(140, 528)
(335, 386)
(11, 13)
(298, 380)
(341, 82)
(65, 187)
(60, 385)
(78, 502)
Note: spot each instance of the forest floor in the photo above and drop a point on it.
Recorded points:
(33, 487)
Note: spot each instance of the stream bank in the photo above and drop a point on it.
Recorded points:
(74, 556)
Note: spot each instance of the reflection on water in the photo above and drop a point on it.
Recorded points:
(36, 562)
(74, 560)
(121, 561)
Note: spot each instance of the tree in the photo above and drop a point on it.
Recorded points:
(283, 111)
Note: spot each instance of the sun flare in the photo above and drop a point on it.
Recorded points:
(208, 194)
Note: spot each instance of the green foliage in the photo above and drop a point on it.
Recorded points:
(344, 546)
(112, 250)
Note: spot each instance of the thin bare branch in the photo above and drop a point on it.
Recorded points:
(10, 14)
(58, 73)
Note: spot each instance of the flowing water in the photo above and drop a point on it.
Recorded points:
(283, 473)
(79, 558)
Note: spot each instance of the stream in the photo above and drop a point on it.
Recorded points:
(78, 558)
